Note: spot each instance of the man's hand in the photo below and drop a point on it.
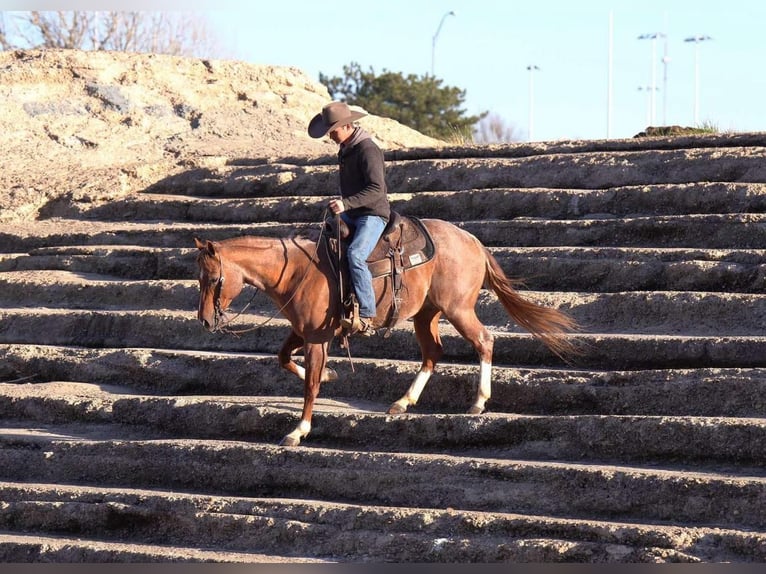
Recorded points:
(336, 206)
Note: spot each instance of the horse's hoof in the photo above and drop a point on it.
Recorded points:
(474, 410)
(396, 409)
(290, 441)
(330, 375)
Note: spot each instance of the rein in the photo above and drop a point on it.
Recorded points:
(220, 313)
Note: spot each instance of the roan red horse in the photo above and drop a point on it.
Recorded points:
(299, 278)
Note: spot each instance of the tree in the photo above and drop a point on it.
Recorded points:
(417, 102)
(493, 129)
(175, 33)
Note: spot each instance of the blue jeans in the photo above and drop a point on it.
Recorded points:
(367, 229)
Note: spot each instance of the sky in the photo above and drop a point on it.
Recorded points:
(594, 77)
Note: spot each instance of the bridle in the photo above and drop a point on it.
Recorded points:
(221, 320)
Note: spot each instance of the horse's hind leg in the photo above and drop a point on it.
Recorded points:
(294, 342)
(427, 332)
(469, 326)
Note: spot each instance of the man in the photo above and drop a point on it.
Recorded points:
(363, 202)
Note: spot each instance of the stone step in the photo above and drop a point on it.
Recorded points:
(587, 170)
(151, 432)
(710, 231)
(181, 330)
(526, 149)
(599, 439)
(493, 203)
(124, 261)
(595, 269)
(605, 438)
(624, 493)
(632, 312)
(716, 231)
(304, 528)
(609, 269)
(581, 171)
(37, 548)
(728, 392)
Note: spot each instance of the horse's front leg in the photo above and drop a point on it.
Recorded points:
(294, 342)
(316, 358)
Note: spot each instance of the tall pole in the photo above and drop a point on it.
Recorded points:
(648, 90)
(609, 77)
(665, 62)
(433, 40)
(532, 69)
(653, 37)
(697, 40)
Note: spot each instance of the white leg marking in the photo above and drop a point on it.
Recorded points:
(485, 387)
(329, 374)
(300, 431)
(416, 388)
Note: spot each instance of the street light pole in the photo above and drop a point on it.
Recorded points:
(665, 62)
(436, 35)
(649, 90)
(697, 40)
(653, 37)
(532, 69)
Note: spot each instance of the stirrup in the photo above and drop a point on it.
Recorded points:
(356, 326)
(351, 323)
(365, 329)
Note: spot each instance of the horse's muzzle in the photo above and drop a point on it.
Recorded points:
(220, 320)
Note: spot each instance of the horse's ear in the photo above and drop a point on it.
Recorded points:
(208, 246)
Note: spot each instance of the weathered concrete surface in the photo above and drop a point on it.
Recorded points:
(131, 434)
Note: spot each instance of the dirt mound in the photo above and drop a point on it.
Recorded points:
(100, 125)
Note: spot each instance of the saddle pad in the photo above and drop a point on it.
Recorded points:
(410, 242)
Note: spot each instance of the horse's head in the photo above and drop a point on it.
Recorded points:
(219, 283)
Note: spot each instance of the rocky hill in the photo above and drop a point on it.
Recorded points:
(130, 434)
(93, 126)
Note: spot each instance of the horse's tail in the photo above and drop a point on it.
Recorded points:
(549, 325)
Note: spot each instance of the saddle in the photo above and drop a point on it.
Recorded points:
(405, 243)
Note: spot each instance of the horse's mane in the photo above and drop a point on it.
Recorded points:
(251, 241)
(261, 242)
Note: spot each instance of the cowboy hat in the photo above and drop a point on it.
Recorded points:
(333, 115)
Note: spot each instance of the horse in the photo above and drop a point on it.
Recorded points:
(301, 281)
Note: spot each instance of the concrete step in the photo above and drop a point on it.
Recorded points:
(125, 261)
(303, 528)
(36, 548)
(716, 231)
(609, 269)
(493, 203)
(725, 392)
(130, 434)
(632, 312)
(704, 442)
(594, 269)
(625, 493)
(712, 231)
(581, 170)
(586, 170)
(181, 330)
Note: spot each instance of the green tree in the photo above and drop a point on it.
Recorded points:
(421, 103)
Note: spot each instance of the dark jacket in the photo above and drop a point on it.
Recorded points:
(362, 177)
